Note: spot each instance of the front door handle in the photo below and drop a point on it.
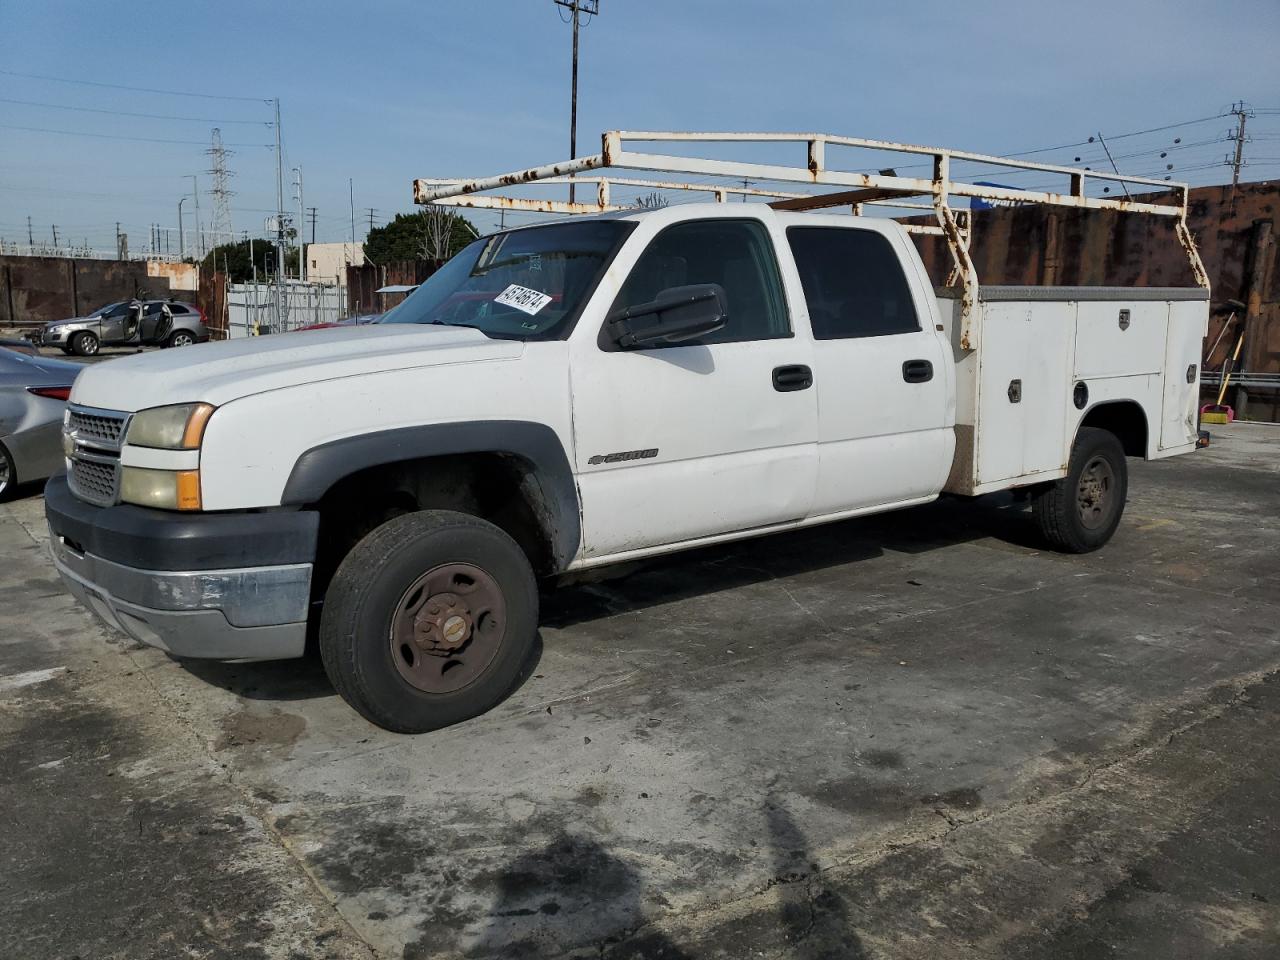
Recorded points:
(794, 376)
(917, 371)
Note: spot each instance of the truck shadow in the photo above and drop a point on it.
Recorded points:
(635, 586)
(573, 894)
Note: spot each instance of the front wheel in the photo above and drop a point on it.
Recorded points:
(429, 620)
(1080, 512)
(85, 344)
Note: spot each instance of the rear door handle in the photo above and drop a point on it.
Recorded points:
(795, 376)
(917, 371)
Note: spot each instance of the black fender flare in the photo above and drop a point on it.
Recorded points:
(319, 468)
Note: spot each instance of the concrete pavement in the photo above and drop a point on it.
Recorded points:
(917, 735)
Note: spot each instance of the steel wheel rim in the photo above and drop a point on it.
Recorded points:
(1095, 493)
(90, 345)
(447, 627)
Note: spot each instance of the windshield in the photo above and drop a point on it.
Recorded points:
(525, 284)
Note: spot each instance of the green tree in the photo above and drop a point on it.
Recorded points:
(234, 259)
(432, 234)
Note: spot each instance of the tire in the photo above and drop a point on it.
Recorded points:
(1081, 512)
(85, 344)
(376, 631)
(180, 338)
(8, 475)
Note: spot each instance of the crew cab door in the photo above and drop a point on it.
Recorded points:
(882, 373)
(152, 315)
(700, 438)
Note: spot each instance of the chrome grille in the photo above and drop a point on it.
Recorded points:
(108, 428)
(94, 465)
(94, 480)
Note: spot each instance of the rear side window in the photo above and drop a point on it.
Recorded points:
(737, 254)
(853, 282)
(177, 309)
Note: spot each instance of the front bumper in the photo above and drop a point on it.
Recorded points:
(51, 338)
(200, 586)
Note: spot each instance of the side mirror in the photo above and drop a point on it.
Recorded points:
(675, 315)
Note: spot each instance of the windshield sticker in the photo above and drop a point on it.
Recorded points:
(522, 298)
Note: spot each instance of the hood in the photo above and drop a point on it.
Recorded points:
(226, 370)
(57, 323)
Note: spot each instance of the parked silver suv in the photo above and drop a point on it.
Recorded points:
(169, 323)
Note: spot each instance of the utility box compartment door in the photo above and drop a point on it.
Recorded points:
(1119, 339)
(1187, 321)
(1025, 387)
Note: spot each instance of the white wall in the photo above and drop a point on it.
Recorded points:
(328, 262)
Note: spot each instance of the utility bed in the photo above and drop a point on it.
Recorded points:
(1046, 350)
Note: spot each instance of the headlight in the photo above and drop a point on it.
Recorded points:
(162, 489)
(179, 427)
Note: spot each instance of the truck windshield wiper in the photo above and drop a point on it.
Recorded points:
(455, 323)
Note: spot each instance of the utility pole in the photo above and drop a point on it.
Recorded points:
(31, 241)
(182, 255)
(195, 189)
(351, 198)
(1242, 113)
(279, 324)
(577, 8)
(302, 217)
(55, 236)
(313, 223)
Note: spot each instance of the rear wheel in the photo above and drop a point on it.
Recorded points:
(1081, 512)
(180, 338)
(8, 474)
(85, 344)
(429, 620)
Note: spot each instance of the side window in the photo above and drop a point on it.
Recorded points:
(853, 283)
(152, 309)
(737, 254)
(177, 309)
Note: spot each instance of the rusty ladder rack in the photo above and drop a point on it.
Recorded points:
(885, 188)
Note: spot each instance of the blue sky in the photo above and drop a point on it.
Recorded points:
(383, 92)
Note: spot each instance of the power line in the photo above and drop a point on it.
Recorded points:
(126, 113)
(113, 136)
(120, 86)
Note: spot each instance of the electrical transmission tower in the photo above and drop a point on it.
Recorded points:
(222, 192)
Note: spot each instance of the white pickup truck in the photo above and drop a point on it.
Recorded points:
(573, 394)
